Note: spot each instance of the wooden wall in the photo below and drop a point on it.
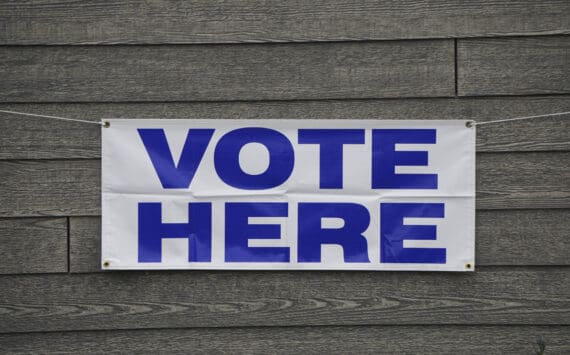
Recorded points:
(441, 59)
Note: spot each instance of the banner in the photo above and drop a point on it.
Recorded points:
(288, 194)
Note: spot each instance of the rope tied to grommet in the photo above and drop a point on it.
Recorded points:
(53, 117)
(522, 118)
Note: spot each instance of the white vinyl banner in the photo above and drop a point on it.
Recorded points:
(288, 194)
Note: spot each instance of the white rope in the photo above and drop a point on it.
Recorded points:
(103, 124)
(54, 117)
(523, 118)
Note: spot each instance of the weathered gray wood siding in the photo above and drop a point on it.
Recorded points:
(413, 59)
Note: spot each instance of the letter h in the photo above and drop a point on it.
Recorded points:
(198, 231)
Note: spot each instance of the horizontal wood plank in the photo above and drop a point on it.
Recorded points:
(227, 72)
(136, 300)
(72, 187)
(203, 21)
(513, 66)
(33, 245)
(85, 244)
(306, 340)
(37, 138)
(50, 188)
(522, 237)
(509, 237)
(523, 180)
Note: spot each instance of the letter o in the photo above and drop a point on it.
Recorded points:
(281, 158)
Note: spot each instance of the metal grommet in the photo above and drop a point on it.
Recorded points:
(106, 264)
(469, 124)
(106, 124)
(468, 266)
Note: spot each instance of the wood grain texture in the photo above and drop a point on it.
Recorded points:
(227, 72)
(522, 237)
(85, 244)
(72, 187)
(137, 300)
(50, 188)
(510, 237)
(36, 138)
(523, 180)
(300, 340)
(33, 245)
(203, 21)
(513, 66)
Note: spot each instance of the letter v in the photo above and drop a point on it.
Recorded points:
(175, 176)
